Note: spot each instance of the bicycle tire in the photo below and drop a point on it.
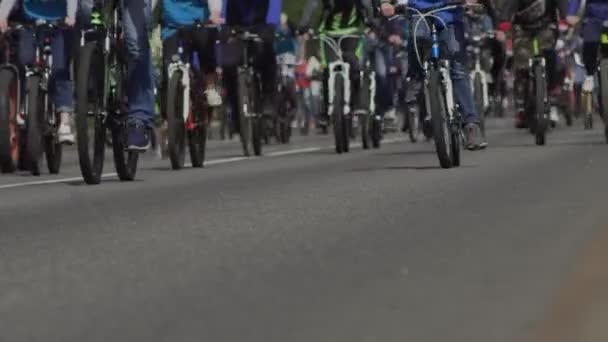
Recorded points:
(34, 123)
(540, 89)
(9, 130)
(439, 119)
(197, 141)
(53, 151)
(90, 80)
(176, 127)
(376, 131)
(245, 105)
(365, 131)
(479, 103)
(125, 162)
(604, 94)
(338, 115)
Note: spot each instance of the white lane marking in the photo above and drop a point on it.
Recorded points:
(210, 162)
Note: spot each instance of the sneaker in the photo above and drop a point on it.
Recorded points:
(138, 137)
(391, 115)
(474, 140)
(64, 132)
(589, 84)
(554, 116)
(214, 99)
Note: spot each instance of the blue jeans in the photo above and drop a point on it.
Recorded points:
(61, 86)
(453, 39)
(136, 19)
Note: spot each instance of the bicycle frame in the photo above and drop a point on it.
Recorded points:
(338, 67)
(180, 64)
(247, 66)
(42, 66)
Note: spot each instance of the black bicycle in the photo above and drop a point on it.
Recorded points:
(10, 95)
(249, 83)
(42, 121)
(101, 74)
(188, 113)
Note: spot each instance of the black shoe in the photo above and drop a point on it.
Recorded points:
(473, 137)
(138, 137)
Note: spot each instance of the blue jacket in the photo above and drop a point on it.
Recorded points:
(449, 17)
(252, 12)
(176, 13)
(595, 8)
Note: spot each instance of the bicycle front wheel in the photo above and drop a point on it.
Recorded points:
(176, 127)
(340, 122)
(436, 102)
(34, 124)
(540, 110)
(90, 121)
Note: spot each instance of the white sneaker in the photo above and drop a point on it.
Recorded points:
(65, 133)
(554, 115)
(391, 115)
(589, 84)
(214, 99)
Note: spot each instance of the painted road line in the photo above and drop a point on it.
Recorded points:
(210, 162)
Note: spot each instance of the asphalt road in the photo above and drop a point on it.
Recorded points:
(306, 245)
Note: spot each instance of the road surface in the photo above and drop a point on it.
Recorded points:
(305, 245)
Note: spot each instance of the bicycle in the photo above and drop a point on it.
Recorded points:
(370, 121)
(101, 97)
(286, 90)
(480, 78)
(188, 113)
(41, 118)
(445, 116)
(11, 116)
(339, 91)
(249, 89)
(537, 100)
(590, 96)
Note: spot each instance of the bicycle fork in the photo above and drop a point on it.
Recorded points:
(341, 69)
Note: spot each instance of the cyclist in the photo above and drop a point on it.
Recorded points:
(340, 18)
(530, 19)
(391, 29)
(177, 13)
(454, 37)
(595, 13)
(61, 83)
(261, 17)
(136, 21)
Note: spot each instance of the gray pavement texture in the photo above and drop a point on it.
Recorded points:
(370, 246)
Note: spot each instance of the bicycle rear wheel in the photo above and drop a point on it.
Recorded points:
(540, 110)
(436, 102)
(90, 118)
(9, 130)
(176, 127)
(604, 94)
(245, 110)
(34, 124)
(53, 150)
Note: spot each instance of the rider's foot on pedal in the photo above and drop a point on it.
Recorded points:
(589, 84)
(473, 138)
(65, 132)
(138, 137)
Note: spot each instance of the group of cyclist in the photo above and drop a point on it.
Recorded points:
(387, 37)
